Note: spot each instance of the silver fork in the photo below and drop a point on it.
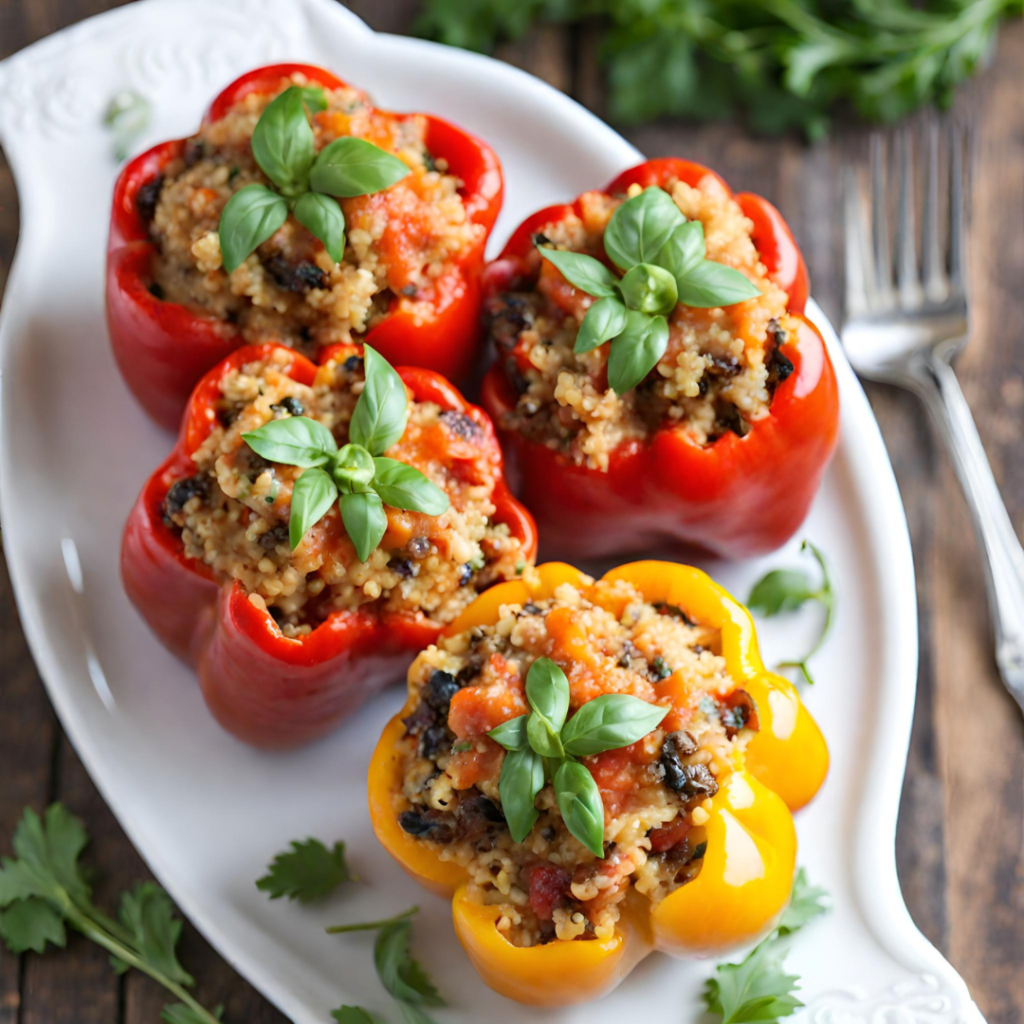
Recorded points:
(904, 324)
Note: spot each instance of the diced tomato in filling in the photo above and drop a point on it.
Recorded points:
(549, 886)
(619, 774)
(669, 835)
(468, 767)
(476, 710)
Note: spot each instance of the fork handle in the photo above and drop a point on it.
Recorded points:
(1004, 557)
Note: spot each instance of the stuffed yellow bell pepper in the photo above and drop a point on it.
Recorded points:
(594, 770)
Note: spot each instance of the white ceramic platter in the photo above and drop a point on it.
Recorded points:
(208, 813)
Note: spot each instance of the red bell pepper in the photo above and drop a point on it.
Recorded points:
(162, 348)
(737, 496)
(265, 688)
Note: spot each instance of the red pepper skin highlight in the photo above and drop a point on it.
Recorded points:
(163, 348)
(736, 497)
(267, 689)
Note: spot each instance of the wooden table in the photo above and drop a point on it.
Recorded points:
(960, 847)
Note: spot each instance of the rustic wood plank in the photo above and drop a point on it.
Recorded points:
(26, 734)
(979, 728)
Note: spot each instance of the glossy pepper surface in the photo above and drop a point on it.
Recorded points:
(163, 348)
(737, 496)
(747, 873)
(265, 688)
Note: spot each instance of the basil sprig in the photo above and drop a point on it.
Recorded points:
(543, 745)
(357, 476)
(283, 147)
(662, 256)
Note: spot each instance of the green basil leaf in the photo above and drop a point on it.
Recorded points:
(353, 469)
(293, 441)
(382, 411)
(350, 167)
(649, 289)
(684, 249)
(314, 97)
(321, 216)
(522, 778)
(511, 734)
(781, 590)
(608, 722)
(711, 284)
(312, 496)
(282, 142)
(365, 521)
(605, 319)
(579, 801)
(403, 486)
(547, 690)
(640, 227)
(636, 351)
(543, 737)
(583, 272)
(248, 219)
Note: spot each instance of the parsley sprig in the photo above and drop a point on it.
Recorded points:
(758, 988)
(402, 975)
(357, 476)
(542, 745)
(44, 890)
(782, 64)
(305, 182)
(787, 590)
(307, 872)
(663, 259)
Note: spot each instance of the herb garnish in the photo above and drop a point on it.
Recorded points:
(404, 977)
(662, 255)
(543, 745)
(283, 147)
(786, 590)
(783, 65)
(758, 988)
(308, 871)
(45, 889)
(127, 116)
(357, 476)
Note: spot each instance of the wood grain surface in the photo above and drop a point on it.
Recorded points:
(960, 848)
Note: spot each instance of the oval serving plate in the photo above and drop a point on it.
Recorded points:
(208, 813)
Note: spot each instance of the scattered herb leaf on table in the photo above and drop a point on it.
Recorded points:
(782, 64)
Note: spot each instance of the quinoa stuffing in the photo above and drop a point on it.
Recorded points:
(716, 375)
(233, 510)
(655, 792)
(398, 242)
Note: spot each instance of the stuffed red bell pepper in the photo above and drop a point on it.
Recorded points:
(313, 529)
(298, 213)
(656, 379)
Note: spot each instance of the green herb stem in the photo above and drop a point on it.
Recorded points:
(371, 926)
(83, 922)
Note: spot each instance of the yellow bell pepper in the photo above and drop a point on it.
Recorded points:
(746, 876)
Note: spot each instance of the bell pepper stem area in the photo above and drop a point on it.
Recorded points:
(746, 876)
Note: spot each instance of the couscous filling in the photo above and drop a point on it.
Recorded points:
(656, 792)
(717, 374)
(398, 242)
(233, 510)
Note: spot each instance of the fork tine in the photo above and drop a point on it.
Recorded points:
(880, 223)
(906, 241)
(957, 239)
(855, 248)
(935, 285)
